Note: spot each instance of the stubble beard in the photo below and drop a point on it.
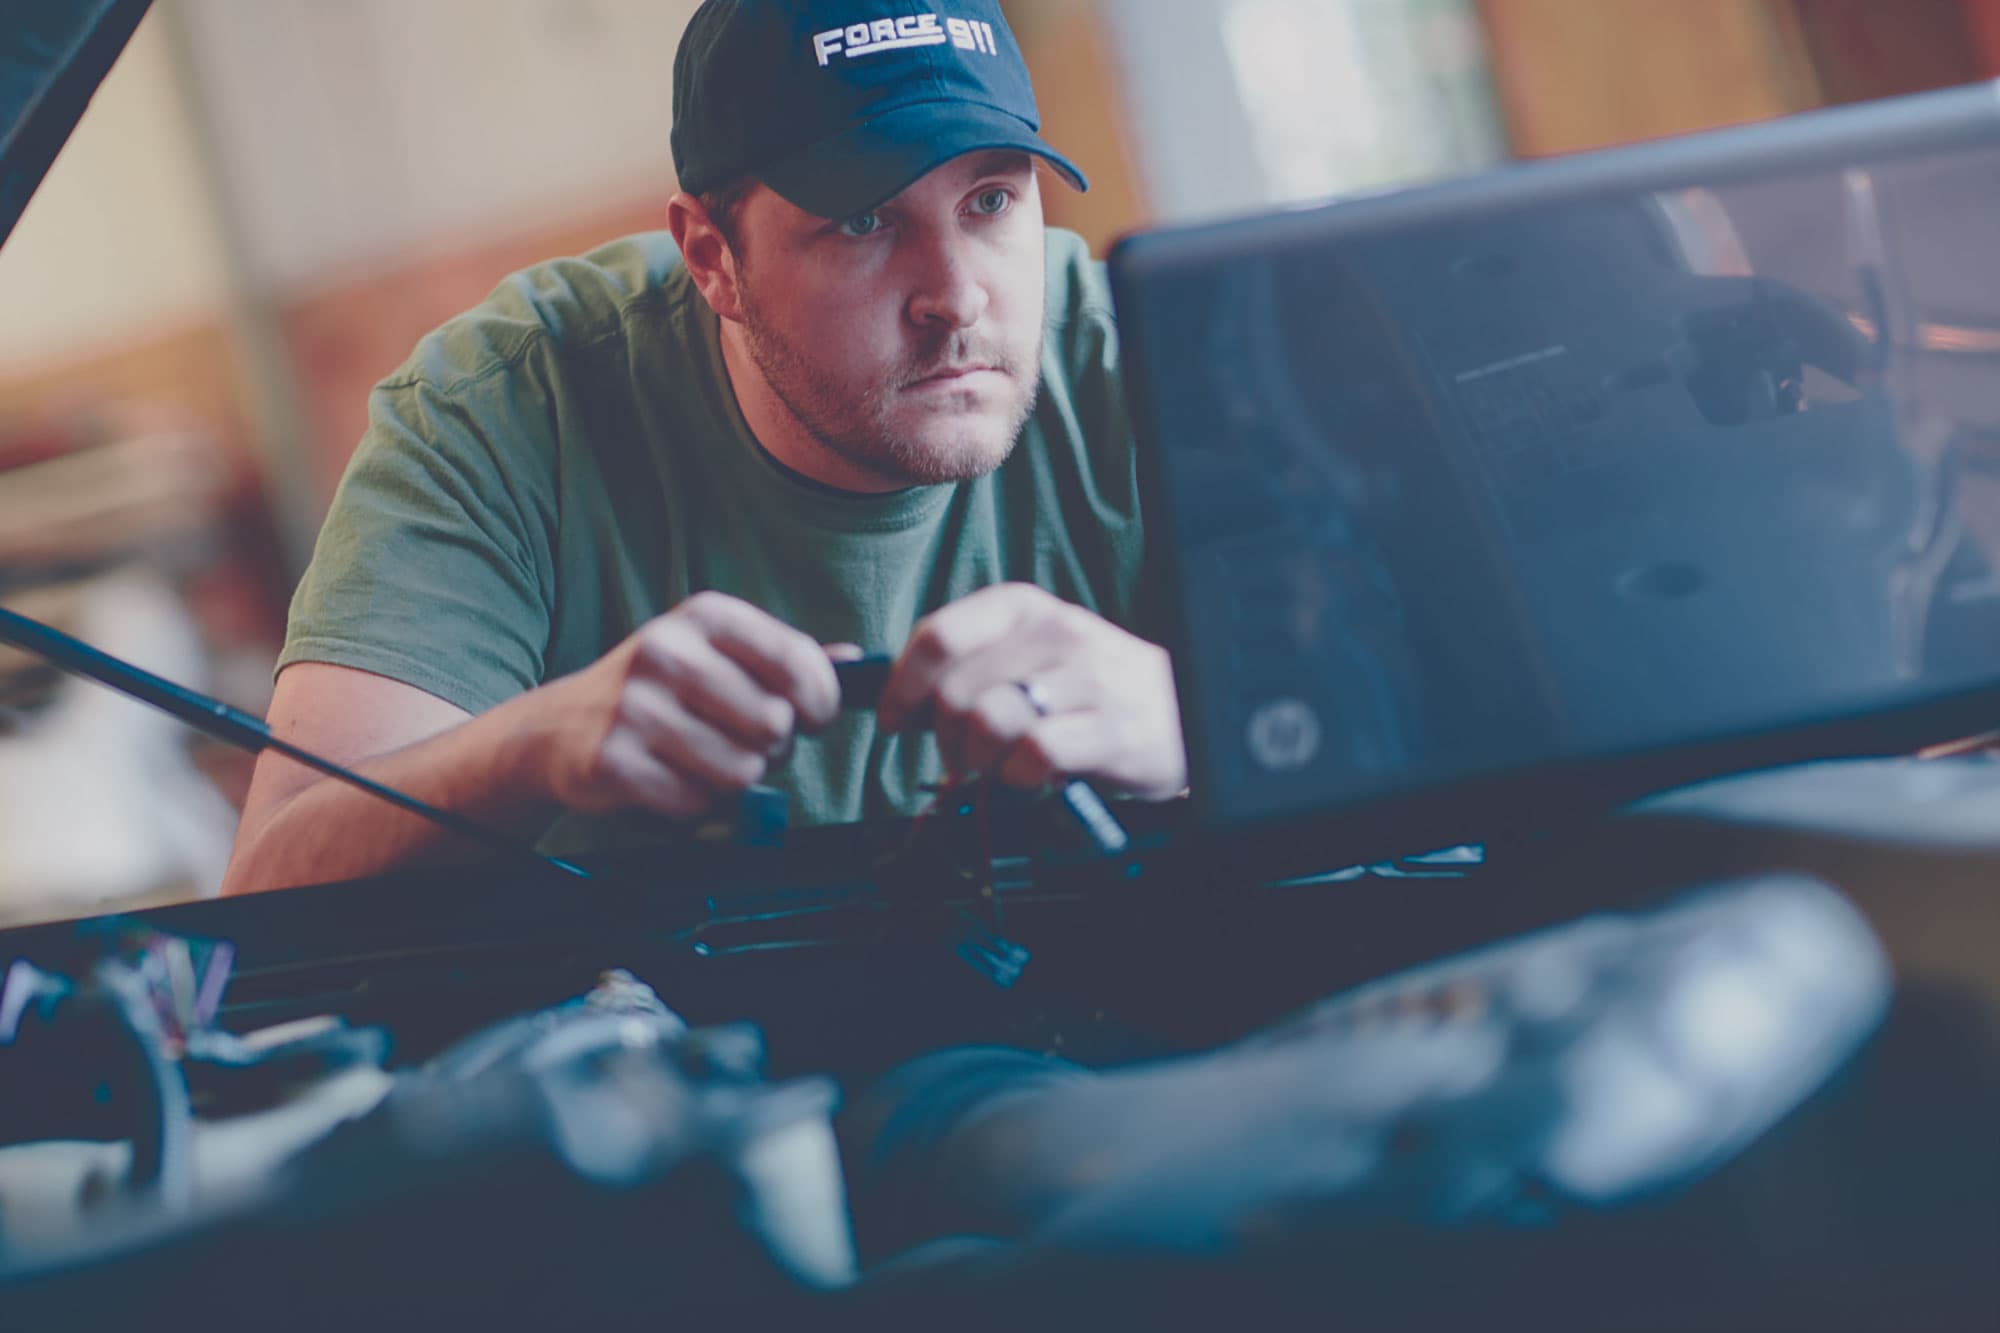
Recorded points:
(859, 426)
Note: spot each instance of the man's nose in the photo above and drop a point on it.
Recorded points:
(948, 293)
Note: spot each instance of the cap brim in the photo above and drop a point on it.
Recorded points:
(861, 167)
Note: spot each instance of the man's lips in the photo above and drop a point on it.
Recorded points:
(952, 374)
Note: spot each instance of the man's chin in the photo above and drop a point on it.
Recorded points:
(934, 447)
(947, 453)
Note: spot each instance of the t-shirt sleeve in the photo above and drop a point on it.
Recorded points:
(435, 564)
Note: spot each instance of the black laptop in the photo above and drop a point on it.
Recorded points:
(1536, 491)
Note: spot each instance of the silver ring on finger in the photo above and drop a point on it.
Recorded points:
(1037, 697)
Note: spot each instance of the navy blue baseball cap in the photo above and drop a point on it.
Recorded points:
(840, 104)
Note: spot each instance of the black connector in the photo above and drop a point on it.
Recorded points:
(862, 679)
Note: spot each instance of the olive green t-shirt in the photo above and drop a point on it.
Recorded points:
(557, 466)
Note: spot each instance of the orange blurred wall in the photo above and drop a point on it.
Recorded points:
(1982, 19)
(1578, 74)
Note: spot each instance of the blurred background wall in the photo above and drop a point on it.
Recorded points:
(271, 200)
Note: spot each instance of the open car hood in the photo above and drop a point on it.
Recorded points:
(53, 55)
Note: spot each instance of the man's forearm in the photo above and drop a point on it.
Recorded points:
(486, 769)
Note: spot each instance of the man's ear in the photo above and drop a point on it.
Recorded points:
(710, 259)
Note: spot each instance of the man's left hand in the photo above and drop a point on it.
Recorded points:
(1021, 685)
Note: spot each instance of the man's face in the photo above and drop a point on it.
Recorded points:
(907, 341)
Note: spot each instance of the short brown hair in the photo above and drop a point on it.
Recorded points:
(721, 205)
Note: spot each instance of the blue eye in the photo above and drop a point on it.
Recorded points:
(861, 224)
(993, 201)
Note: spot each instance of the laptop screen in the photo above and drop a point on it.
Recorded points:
(1640, 454)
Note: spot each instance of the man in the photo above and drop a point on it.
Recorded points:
(586, 558)
(586, 562)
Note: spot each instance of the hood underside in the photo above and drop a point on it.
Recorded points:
(53, 55)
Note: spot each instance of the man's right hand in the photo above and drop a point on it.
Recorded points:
(694, 704)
